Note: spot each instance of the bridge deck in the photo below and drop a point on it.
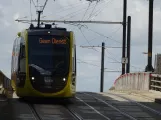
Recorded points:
(151, 95)
(86, 105)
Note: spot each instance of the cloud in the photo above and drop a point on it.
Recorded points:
(88, 75)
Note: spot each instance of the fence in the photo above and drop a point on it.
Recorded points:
(133, 81)
(5, 84)
(155, 82)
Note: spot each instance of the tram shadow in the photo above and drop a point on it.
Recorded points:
(34, 100)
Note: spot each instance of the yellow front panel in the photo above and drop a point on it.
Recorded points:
(28, 90)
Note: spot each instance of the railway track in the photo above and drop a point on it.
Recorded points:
(92, 108)
(87, 105)
(34, 112)
(82, 110)
(139, 104)
(73, 113)
(52, 112)
(114, 113)
(113, 107)
(155, 115)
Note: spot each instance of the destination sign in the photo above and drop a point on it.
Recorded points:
(53, 41)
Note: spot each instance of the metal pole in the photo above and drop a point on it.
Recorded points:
(102, 67)
(124, 35)
(72, 21)
(128, 43)
(39, 13)
(149, 67)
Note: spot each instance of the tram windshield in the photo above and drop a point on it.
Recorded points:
(50, 53)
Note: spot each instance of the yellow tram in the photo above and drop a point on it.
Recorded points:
(44, 63)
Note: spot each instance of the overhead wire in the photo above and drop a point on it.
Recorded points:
(72, 5)
(65, 9)
(89, 40)
(115, 31)
(44, 5)
(121, 62)
(103, 35)
(114, 59)
(99, 61)
(90, 44)
(107, 37)
(80, 10)
(92, 64)
(93, 47)
(86, 10)
(93, 10)
(86, 39)
(79, 4)
(102, 8)
(34, 4)
(81, 25)
(30, 11)
(96, 49)
(88, 63)
(77, 12)
(71, 8)
(79, 29)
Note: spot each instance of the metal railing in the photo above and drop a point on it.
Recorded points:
(5, 84)
(155, 82)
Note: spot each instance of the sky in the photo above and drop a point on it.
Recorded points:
(88, 59)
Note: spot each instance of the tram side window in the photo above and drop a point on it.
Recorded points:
(74, 60)
(22, 51)
(17, 47)
(16, 57)
(13, 57)
(22, 58)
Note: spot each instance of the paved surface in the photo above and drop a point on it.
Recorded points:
(86, 106)
(148, 95)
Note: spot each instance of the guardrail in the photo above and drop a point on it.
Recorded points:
(133, 81)
(5, 85)
(155, 82)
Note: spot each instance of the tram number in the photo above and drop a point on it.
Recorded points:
(48, 81)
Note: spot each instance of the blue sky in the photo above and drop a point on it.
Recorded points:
(88, 78)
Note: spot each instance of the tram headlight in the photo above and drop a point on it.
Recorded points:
(33, 79)
(64, 79)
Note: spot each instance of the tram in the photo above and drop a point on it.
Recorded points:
(44, 63)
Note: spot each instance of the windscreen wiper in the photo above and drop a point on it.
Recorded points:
(41, 70)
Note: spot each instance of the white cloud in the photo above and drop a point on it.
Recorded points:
(88, 75)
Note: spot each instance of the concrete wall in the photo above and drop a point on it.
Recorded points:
(133, 81)
(5, 85)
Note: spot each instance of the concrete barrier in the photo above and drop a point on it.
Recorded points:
(5, 85)
(133, 81)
